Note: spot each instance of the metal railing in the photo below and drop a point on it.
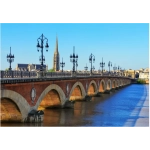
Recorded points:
(18, 74)
(34, 74)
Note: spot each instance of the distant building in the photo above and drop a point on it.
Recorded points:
(137, 74)
(144, 74)
(56, 60)
(30, 67)
(130, 73)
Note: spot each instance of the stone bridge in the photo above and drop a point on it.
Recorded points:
(20, 96)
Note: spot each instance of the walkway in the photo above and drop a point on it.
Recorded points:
(140, 114)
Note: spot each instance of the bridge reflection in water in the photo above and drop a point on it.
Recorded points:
(112, 109)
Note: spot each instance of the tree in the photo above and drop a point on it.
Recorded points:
(51, 70)
(141, 81)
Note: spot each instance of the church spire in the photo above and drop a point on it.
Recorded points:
(56, 49)
(56, 57)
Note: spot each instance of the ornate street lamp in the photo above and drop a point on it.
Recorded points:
(102, 64)
(86, 68)
(115, 68)
(109, 65)
(40, 46)
(76, 65)
(124, 72)
(10, 59)
(91, 59)
(119, 68)
(62, 64)
(74, 59)
(93, 68)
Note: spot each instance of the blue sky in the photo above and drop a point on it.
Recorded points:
(126, 45)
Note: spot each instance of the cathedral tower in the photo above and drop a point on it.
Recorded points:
(56, 57)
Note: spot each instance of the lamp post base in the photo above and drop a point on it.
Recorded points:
(73, 74)
(41, 74)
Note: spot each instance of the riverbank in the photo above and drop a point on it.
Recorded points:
(140, 114)
(142, 81)
(143, 120)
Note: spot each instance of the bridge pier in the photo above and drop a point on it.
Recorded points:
(34, 116)
(98, 94)
(117, 88)
(88, 98)
(113, 89)
(69, 104)
(107, 92)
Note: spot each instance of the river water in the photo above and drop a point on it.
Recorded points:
(108, 110)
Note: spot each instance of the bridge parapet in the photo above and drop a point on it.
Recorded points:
(11, 77)
(34, 74)
(18, 74)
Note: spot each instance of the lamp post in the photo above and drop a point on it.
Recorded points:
(86, 68)
(109, 65)
(76, 65)
(93, 68)
(91, 59)
(10, 59)
(102, 64)
(62, 64)
(40, 46)
(124, 72)
(119, 68)
(115, 68)
(74, 59)
(127, 73)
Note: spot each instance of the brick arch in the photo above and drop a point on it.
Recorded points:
(92, 88)
(102, 86)
(19, 100)
(79, 84)
(51, 99)
(109, 85)
(48, 89)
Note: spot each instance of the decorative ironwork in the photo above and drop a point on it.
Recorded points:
(42, 57)
(10, 59)
(109, 65)
(91, 59)
(74, 59)
(115, 68)
(62, 64)
(86, 68)
(102, 64)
